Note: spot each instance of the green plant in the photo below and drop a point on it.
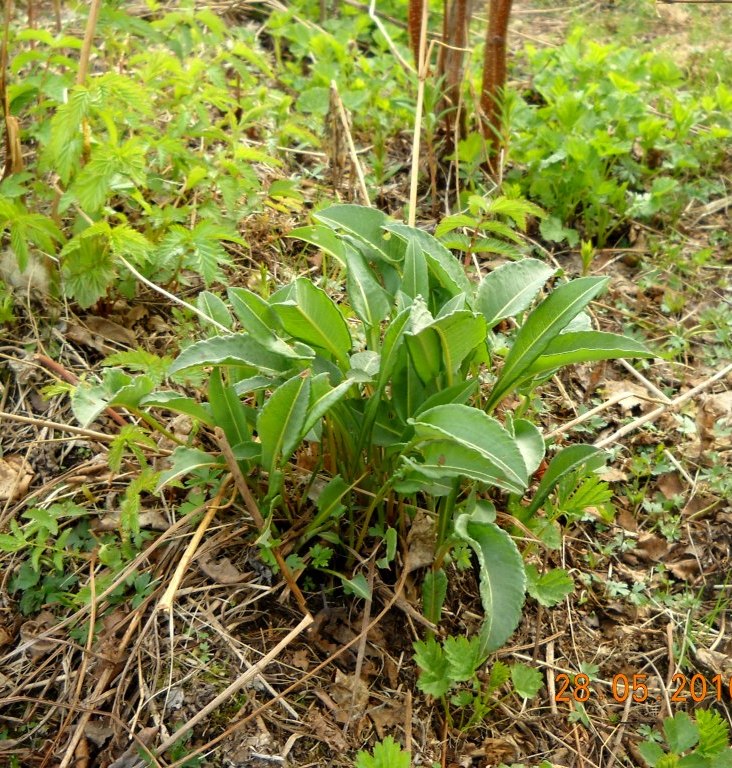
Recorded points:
(699, 743)
(371, 395)
(387, 754)
(454, 668)
(609, 134)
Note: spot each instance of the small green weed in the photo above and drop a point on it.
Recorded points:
(699, 743)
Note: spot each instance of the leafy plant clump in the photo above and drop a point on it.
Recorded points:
(699, 743)
(352, 418)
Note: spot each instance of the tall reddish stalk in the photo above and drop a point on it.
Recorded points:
(450, 64)
(494, 80)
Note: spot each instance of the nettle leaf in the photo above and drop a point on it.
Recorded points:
(369, 300)
(128, 242)
(434, 679)
(94, 182)
(567, 460)
(366, 226)
(713, 732)
(464, 656)
(541, 327)
(387, 754)
(87, 270)
(527, 681)
(471, 437)
(307, 313)
(237, 349)
(510, 289)
(550, 588)
(64, 149)
(281, 421)
(502, 577)
(28, 229)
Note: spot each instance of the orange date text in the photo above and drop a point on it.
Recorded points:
(683, 689)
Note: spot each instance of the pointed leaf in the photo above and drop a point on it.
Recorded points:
(502, 577)
(212, 306)
(530, 443)
(324, 238)
(543, 325)
(281, 421)
(510, 289)
(174, 401)
(566, 461)
(445, 343)
(227, 409)
(369, 300)
(259, 320)
(443, 266)
(415, 276)
(584, 347)
(366, 226)
(477, 432)
(237, 349)
(185, 460)
(434, 591)
(308, 314)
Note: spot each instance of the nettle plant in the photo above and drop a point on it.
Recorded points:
(352, 417)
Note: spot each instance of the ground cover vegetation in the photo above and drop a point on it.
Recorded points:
(285, 478)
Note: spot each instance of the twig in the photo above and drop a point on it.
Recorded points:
(421, 79)
(172, 297)
(349, 138)
(228, 693)
(241, 483)
(379, 25)
(166, 601)
(237, 724)
(672, 405)
(46, 424)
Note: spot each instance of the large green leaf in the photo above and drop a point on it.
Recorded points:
(445, 343)
(366, 225)
(259, 320)
(307, 313)
(502, 576)
(415, 275)
(174, 401)
(510, 289)
(324, 238)
(237, 349)
(541, 327)
(391, 346)
(281, 422)
(368, 299)
(227, 409)
(585, 346)
(443, 266)
(323, 397)
(185, 460)
(444, 460)
(530, 443)
(566, 461)
(482, 438)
